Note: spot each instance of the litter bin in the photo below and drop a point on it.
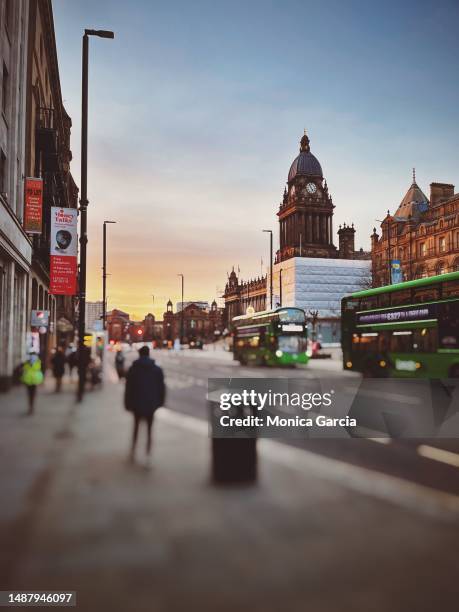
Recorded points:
(234, 449)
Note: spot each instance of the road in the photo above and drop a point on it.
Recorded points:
(426, 462)
(332, 525)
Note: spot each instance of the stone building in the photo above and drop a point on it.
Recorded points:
(239, 295)
(48, 156)
(422, 236)
(309, 272)
(118, 325)
(198, 323)
(15, 246)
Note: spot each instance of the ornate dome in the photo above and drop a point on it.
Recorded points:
(305, 164)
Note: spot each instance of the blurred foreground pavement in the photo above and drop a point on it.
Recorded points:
(74, 515)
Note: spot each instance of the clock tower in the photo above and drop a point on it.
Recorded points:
(306, 211)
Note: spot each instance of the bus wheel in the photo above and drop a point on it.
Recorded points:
(454, 371)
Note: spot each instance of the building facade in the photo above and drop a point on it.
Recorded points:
(118, 325)
(421, 238)
(309, 272)
(193, 323)
(48, 157)
(15, 246)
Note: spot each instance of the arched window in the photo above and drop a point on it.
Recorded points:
(456, 265)
(440, 268)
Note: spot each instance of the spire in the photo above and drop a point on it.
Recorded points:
(414, 176)
(304, 143)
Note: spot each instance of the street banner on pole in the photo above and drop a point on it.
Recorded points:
(33, 205)
(64, 251)
(396, 271)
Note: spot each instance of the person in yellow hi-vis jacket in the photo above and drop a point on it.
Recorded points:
(32, 376)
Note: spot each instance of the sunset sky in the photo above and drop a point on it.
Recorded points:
(197, 108)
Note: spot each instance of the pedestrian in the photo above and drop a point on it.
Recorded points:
(119, 364)
(32, 376)
(58, 365)
(72, 359)
(145, 392)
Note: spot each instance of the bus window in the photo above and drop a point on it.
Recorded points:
(384, 300)
(351, 304)
(448, 325)
(401, 342)
(291, 315)
(425, 340)
(451, 289)
(369, 302)
(365, 342)
(426, 294)
(401, 298)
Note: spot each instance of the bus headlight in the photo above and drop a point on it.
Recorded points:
(418, 365)
(279, 353)
(382, 363)
(349, 364)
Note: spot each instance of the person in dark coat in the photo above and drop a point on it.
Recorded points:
(145, 392)
(58, 363)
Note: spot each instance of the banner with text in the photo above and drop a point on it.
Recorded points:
(64, 251)
(33, 205)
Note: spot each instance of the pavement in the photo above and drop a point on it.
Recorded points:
(317, 532)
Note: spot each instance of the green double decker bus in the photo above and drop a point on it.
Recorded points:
(271, 337)
(406, 330)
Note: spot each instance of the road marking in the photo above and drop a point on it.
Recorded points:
(410, 495)
(438, 454)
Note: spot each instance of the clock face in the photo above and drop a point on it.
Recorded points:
(311, 187)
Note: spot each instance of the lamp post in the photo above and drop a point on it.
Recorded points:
(104, 276)
(270, 232)
(280, 287)
(82, 361)
(181, 312)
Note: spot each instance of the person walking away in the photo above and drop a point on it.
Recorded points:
(32, 376)
(119, 364)
(145, 392)
(58, 365)
(71, 359)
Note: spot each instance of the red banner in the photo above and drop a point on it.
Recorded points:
(33, 205)
(63, 269)
(63, 274)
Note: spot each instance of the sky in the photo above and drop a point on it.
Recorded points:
(197, 109)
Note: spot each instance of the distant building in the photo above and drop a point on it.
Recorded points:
(198, 323)
(309, 272)
(118, 325)
(94, 312)
(421, 238)
(203, 305)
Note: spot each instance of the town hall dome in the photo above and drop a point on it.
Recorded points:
(306, 164)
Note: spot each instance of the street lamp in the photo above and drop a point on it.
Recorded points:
(270, 232)
(280, 287)
(82, 362)
(104, 276)
(181, 318)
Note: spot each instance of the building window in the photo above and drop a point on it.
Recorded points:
(8, 14)
(441, 268)
(3, 174)
(442, 244)
(5, 87)
(456, 265)
(422, 249)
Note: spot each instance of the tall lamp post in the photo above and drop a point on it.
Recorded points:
(270, 232)
(181, 312)
(280, 287)
(104, 276)
(82, 361)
